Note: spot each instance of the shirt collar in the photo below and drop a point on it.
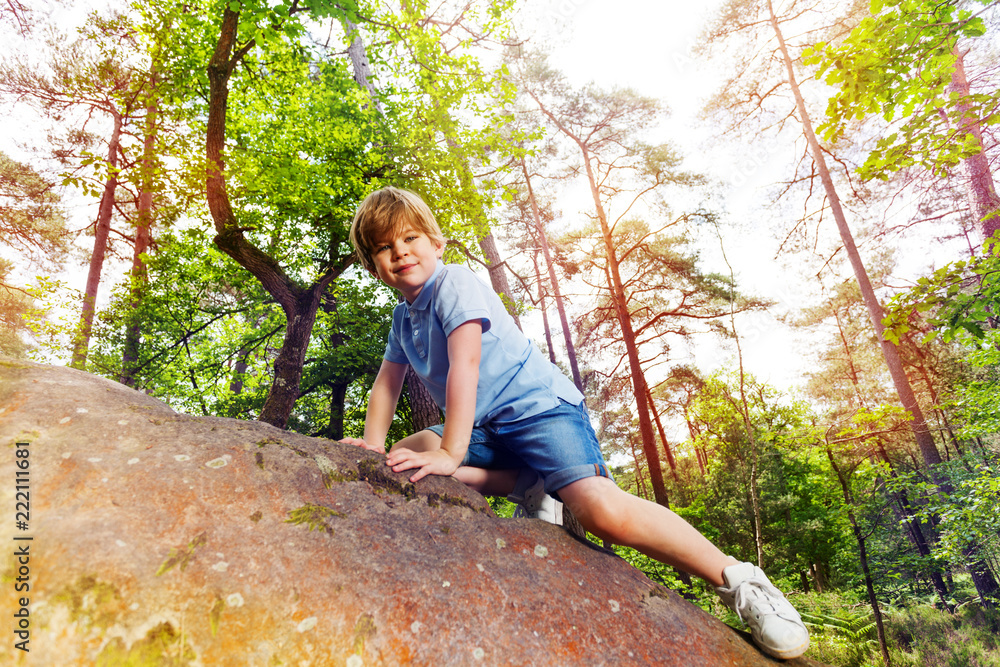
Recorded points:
(423, 300)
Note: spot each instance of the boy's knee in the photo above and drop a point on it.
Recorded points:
(596, 504)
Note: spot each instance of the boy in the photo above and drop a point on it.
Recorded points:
(507, 408)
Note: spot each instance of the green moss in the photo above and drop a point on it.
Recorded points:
(436, 499)
(314, 516)
(181, 555)
(271, 440)
(91, 601)
(364, 630)
(215, 615)
(259, 460)
(256, 516)
(161, 647)
(332, 474)
(376, 473)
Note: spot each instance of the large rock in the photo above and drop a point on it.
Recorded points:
(158, 538)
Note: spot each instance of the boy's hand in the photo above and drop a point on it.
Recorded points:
(434, 462)
(358, 442)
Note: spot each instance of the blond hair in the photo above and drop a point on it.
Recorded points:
(385, 213)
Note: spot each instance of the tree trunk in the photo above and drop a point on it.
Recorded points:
(102, 229)
(541, 307)
(299, 304)
(663, 438)
(139, 277)
(338, 395)
(498, 276)
(543, 241)
(863, 555)
(359, 61)
(983, 198)
(639, 387)
(424, 411)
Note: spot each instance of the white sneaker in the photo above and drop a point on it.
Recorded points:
(774, 624)
(536, 504)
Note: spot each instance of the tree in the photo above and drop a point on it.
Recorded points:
(623, 172)
(88, 76)
(33, 226)
(236, 44)
(905, 62)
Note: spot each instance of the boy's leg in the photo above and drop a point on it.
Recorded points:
(621, 518)
(487, 482)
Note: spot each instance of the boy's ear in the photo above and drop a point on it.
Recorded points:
(440, 250)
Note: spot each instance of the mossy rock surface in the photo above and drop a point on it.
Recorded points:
(165, 539)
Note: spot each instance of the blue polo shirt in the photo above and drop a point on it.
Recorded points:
(515, 380)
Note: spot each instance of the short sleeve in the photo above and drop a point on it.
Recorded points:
(461, 297)
(393, 348)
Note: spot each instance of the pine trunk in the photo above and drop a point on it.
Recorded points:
(618, 297)
(983, 199)
(102, 230)
(918, 424)
(541, 307)
(556, 294)
(863, 556)
(139, 277)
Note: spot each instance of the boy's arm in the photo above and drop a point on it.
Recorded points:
(464, 350)
(381, 406)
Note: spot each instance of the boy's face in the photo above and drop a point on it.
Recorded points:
(406, 261)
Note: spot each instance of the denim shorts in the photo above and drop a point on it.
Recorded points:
(559, 444)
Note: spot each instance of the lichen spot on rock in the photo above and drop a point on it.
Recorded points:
(95, 459)
(65, 420)
(501, 543)
(615, 607)
(355, 661)
(217, 463)
(236, 600)
(81, 411)
(182, 457)
(133, 461)
(307, 624)
(221, 566)
(122, 422)
(478, 653)
(479, 566)
(415, 627)
(66, 455)
(541, 551)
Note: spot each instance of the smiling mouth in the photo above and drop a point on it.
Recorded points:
(404, 268)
